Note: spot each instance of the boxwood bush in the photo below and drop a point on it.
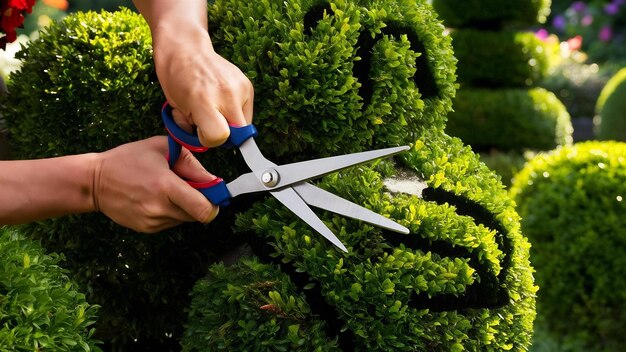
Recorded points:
(572, 206)
(611, 108)
(492, 14)
(459, 281)
(499, 58)
(41, 308)
(510, 119)
(88, 84)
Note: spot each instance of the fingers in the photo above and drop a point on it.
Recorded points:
(190, 200)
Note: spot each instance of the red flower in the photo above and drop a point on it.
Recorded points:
(12, 17)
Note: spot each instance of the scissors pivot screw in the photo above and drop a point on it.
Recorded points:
(270, 178)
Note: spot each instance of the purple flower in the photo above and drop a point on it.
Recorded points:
(618, 3)
(586, 21)
(606, 34)
(559, 22)
(579, 6)
(611, 9)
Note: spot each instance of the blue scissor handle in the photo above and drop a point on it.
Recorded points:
(216, 190)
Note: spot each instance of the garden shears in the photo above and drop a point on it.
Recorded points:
(287, 183)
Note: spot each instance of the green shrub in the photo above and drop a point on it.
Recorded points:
(505, 164)
(40, 307)
(492, 13)
(510, 119)
(571, 203)
(499, 59)
(371, 72)
(611, 107)
(88, 84)
(460, 281)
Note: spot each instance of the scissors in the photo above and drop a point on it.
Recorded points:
(287, 183)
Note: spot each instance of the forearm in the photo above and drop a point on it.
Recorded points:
(43, 188)
(179, 19)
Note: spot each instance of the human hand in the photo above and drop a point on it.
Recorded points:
(134, 186)
(204, 89)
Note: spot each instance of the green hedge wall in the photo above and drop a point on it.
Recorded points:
(611, 107)
(40, 307)
(510, 119)
(492, 14)
(460, 281)
(572, 206)
(499, 59)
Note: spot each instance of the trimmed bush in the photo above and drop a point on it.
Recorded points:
(88, 84)
(572, 206)
(460, 281)
(40, 307)
(611, 107)
(492, 14)
(510, 119)
(499, 59)
(369, 72)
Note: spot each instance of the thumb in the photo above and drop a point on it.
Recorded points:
(189, 168)
(212, 126)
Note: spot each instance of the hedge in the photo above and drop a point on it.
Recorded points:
(460, 281)
(41, 308)
(571, 203)
(510, 119)
(499, 59)
(611, 108)
(492, 14)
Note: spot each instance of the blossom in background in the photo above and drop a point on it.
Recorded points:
(57, 4)
(12, 17)
(605, 34)
(575, 43)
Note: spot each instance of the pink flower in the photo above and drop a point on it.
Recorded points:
(542, 34)
(575, 43)
(606, 34)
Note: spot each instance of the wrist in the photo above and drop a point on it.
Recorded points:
(93, 164)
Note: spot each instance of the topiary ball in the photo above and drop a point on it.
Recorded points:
(497, 59)
(41, 308)
(572, 206)
(611, 109)
(510, 119)
(459, 281)
(492, 14)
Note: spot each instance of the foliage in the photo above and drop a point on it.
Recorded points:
(611, 109)
(499, 58)
(491, 14)
(460, 281)
(571, 203)
(86, 85)
(600, 24)
(510, 119)
(376, 72)
(40, 307)
(577, 85)
(505, 164)
(259, 310)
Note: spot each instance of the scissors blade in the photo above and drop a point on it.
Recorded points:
(322, 199)
(292, 200)
(308, 170)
